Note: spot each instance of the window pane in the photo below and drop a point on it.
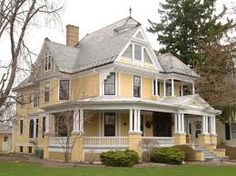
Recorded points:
(146, 57)
(109, 124)
(46, 92)
(21, 126)
(31, 128)
(64, 90)
(168, 89)
(109, 85)
(233, 130)
(128, 52)
(137, 52)
(136, 86)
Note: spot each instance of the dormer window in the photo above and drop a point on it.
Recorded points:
(47, 61)
(137, 52)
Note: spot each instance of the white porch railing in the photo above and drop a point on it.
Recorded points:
(149, 142)
(106, 142)
(57, 141)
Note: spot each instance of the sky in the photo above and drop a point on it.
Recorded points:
(91, 15)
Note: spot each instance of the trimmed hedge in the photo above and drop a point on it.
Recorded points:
(167, 155)
(118, 158)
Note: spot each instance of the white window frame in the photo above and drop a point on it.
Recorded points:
(47, 60)
(49, 91)
(141, 85)
(231, 131)
(103, 123)
(59, 89)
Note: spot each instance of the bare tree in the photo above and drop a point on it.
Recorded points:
(16, 18)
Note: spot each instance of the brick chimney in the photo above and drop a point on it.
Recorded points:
(72, 35)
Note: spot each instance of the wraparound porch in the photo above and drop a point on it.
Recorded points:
(115, 125)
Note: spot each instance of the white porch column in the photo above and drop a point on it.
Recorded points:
(179, 123)
(213, 125)
(207, 125)
(182, 123)
(76, 121)
(176, 123)
(164, 88)
(156, 86)
(138, 120)
(204, 124)
(193, 86)
(131, 128)
(47, 125)
(172, 87)
(81, 120)
(135, 119)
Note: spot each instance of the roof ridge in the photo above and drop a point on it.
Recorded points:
(129, 17)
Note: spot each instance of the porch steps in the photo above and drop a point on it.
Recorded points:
(209, 156)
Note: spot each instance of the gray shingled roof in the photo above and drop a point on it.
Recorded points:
(172, 64)
(95, 49)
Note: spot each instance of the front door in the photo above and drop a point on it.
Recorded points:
(162, 124)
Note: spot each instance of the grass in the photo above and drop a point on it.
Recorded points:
(24, 169)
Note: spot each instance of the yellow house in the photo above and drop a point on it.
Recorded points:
(110, 91)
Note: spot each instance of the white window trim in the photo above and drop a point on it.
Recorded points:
(49, 91)
(141, 85)
(58, 90)
(116, 87)
(47, 54)
(230, 127)
(103, 123)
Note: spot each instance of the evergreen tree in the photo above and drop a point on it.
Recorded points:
(184, 24)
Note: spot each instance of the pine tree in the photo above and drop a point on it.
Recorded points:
(184, 24)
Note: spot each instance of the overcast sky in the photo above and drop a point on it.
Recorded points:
(91, 15)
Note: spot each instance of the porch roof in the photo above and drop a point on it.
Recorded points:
(175, 104)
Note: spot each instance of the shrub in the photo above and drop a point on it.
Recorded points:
(125, 158)
(167, 155)
(187, 150)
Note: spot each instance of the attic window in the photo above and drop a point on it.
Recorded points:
(138, 52)
(47, 61)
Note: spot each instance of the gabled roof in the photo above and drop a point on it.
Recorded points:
(193, 101)
(172, 64)
(95, 49)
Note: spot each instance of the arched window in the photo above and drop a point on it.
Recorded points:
(44, 125)
(31, 129)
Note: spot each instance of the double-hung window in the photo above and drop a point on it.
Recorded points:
(47, 61)
(46, 91)
(156, 87)
(64, 90)
(137, 52)
(109, 84)
(136, 86)
(36, 98)
(233, 130)
(109, 124)
(168, 89)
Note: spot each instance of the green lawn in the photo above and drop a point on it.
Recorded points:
(23, 169)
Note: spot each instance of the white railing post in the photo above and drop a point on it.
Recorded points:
(176, 123)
